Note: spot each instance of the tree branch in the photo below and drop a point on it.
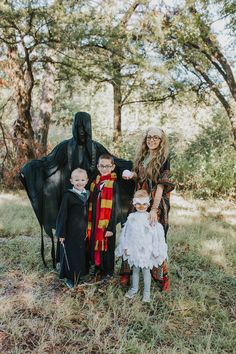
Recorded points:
(209, 57)
(160, 99)
(206, 37)
(129, 13)
(220, 96)
(128, 92)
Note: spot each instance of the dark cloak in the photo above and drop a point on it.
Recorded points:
(46, 179)
(72, 225)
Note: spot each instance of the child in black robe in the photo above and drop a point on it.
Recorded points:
(104, 211)
(71, 230)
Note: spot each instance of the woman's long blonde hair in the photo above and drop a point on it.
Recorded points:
(159, 157)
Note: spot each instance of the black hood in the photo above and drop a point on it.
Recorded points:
(84, 119)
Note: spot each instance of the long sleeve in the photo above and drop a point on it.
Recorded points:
(164, 177)
(55, 159)
(61, 222)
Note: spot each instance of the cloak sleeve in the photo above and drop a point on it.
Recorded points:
(32, 178)
(43, 180)
(57, 158)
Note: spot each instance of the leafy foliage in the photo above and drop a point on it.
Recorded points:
(207, 166)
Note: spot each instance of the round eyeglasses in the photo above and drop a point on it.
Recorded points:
(105, 166)
(154, 138)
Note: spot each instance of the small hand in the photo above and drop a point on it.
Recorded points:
(127, 174)
(153, 217)
(108, 234)
(61, 240)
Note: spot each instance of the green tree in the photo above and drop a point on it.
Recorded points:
(190, 47)
(111, 49)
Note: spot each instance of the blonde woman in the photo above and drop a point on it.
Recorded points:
(152, 173)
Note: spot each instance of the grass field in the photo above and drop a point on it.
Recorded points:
(198, 315)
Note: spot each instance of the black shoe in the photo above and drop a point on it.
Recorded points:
(107, 278)
(69, 283)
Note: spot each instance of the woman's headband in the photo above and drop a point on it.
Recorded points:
(157, 131)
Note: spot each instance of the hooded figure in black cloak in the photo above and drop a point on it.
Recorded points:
(47, 179)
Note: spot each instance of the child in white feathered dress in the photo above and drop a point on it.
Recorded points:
(142, 244)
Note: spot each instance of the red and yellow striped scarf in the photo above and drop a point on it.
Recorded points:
(103, 210)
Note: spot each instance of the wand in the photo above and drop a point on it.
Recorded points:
(65, 254)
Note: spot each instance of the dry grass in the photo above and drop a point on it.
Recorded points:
(39, 315)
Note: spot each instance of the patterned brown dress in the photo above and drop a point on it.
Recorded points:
(150, 186)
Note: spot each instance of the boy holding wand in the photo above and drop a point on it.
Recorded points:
(71, 229)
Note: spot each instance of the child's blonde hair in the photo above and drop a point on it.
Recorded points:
(141, 193)
(79, 170)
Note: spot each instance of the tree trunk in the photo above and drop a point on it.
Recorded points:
(23, 134)
(116, 82)
(117, 99)
(22, 83)
(47, 99)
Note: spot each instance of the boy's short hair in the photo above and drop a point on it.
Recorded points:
(141, 193)
(106, 157)
(79, 170)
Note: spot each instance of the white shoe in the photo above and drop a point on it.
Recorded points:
(131, 293)
(146, 298)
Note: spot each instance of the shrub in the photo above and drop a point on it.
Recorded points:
(207, 166)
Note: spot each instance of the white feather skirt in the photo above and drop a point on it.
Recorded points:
(145, 244)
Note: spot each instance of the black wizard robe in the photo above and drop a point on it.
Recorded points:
(72, 225)
(46, 179)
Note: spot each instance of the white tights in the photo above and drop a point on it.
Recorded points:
(146, 280)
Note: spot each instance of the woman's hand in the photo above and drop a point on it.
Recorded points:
(127, 174)
(126, 253)
(153, 217)
(61, 240)
(108, 234)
